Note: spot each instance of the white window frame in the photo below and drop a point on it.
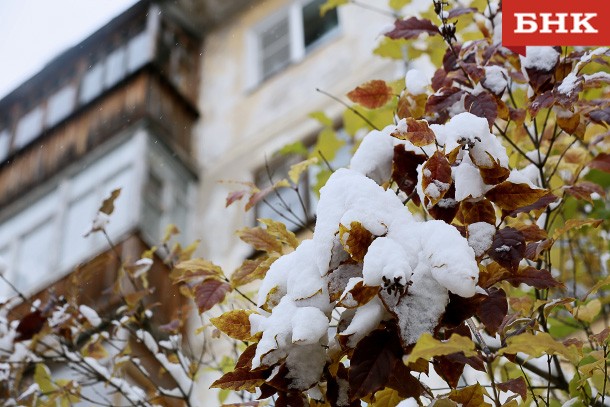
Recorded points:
(294, 13)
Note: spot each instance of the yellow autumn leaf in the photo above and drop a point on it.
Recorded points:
(539, 344)
(587, 312)
(427, 347)
(386, 398)
(278, 229)
(576, 224)
(297, 169)
(235, 324)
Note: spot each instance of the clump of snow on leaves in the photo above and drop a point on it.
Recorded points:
(541, 58)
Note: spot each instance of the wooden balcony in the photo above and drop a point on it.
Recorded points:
(144, 97)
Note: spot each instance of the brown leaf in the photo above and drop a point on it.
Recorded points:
(30, 325)
(372, 362)
(241, 379)
(418, 133)
(569, 124)
(507, 248)
(403, 381)
(517, 385)
(517, 115)
(108, 204)
(358, 295)
(358, 240)
(436, 179)
(194, 269)
(533, 250)
(252, 270)
(492, 310)
(446, 208)
(494, 174)
(235, 323)
(290, 399)
(576, 224)
(210, 292)
(404, 170)
(278, 229)
(601, 162)
(584, 189)
(260, 239)
(449, 369)
(532, 233)
(372, 94)
(600, 116)
(471, 396)
(459, 11)
(543, 101)
(412, 28)
(473, 212)
(483, 105)
(509, 196)
(441, 101)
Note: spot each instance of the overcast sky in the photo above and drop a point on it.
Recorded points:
(32, 32)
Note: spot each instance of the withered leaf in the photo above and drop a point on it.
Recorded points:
(108, 203)
(576, 224)
(449, 369)
(404, 170)
(241, 379)
(251, 270)
(30, 325)
(290, 399)
(509, 196)
(412, 28)
(601, 162)
(436, 178)
(532, 233)
(584, 189)
(372, 362)
(403, 382)
(459, 11)
(358, 240)
(441, 101)
(235, 323)
(260, 239)
(600, 116)
(494, 174)
(446, 208)
(492, 310)
(507, 248)
(533, 250)
(358, 295)
(483, 105)
(470, 396)
(517, 115)
(418, 133)
(480, 211)
(210, 292)
(235, 196)
(517, 385)
(194, 269)
(543, 101)
(372, 94)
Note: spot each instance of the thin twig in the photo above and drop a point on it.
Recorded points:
(357, 113)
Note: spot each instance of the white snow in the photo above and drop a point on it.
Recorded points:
(385, 258)
(541, 58)
(495, 79)
(468, 182)
(90, 315)
(480, 236)
(416, 82)
(374, 155)
(569, 84)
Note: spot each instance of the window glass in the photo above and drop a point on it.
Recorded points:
(79, 216)
(34, 257)
(60, 104)
(29, 127)
(115, 67)
(92, 82)
(275, 48)
(315, 26)
(5, 139)
(138, 51)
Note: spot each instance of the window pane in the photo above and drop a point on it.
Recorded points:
(115, 67)
(29, 127)
(78, 220)
(314, 26)
(92, 83)
(60, 104)
(34, 265)
(274, 48)
(138, 51)
(153, 206)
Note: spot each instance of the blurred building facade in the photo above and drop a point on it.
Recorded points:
(165, 101)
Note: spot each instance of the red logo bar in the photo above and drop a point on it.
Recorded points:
(555, 22)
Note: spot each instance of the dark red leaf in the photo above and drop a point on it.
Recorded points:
(543, 101)
(372, 362)
(436, 179)
(584, 189)
(492, 310)
(446, 208)
(601, 162)
(449, 369)
(600, 116)
(30, 325)
(291, 399)
(459, 11)
(438, 104)
(508, 248)
(541, 203)
(412, 28)
(512, 197)
(403, 381)
(460, 309)
(540, 279)
(517, 385)
(404, 170)
(372, 94)
(483, 105)
(210, 292)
